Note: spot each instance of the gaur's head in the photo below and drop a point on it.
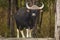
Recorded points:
(34, 13)
(34, 9)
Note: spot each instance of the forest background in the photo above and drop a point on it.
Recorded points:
(44, 29)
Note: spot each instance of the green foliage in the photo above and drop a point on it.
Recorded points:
(48, 20)
(3, 22)
(3, 3)
(21, 3)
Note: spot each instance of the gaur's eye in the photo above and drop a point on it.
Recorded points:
(33, 14)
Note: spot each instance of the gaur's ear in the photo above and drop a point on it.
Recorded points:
(28, 10)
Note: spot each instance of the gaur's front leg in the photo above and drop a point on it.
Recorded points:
(22, 33)
(28, 34)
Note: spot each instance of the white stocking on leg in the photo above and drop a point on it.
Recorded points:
(30, 31)
(27, 34)
(17, 33)
(22, 33)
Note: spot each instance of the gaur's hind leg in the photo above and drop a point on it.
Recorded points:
(22, 33)
(17, 33)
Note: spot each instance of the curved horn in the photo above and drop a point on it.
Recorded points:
(41, 6)
(34, 6)
(28, 6)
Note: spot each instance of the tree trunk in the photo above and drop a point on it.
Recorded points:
(10, 18)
